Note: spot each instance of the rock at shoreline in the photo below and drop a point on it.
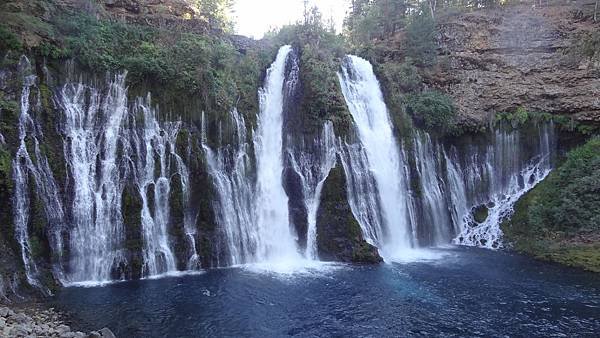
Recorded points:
(41, 323)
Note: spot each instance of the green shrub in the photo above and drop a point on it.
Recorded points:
(421, 42)
(433, 110)
(572, 198)
(402, 77)
(9, 41)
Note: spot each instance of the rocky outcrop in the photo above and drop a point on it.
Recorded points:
(34, 322)
(497, 60)
(339, 237)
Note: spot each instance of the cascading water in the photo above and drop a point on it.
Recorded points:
(450, 187)
(496, 180)
(365, 101)
(229, 168)
(436, 224)
(362, 192)
(189, 218)
(154, 145)
(276, 238)
(92, 124)
(38, 168)
(253, 214)
(106, 147)
(313, 167)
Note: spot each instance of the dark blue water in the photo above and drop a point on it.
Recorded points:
(470, 292)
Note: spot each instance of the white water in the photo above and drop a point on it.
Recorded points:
(365, 101)
(276, 238)
(498, 181)
(24, 167)
(229, 168)
(105, 148)
(93, 122)
(436, 217)
(313, 167)
(154, 145)
(362, 191)
(253, 211)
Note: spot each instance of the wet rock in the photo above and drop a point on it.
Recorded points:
(21, 318)
(63, 329)
(3, 311)
(339, 237)
(107, 333)
(18, 331)
(94, 334)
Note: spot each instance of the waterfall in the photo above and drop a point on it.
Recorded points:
(38, 168)
(276, 238)
(436, 222)
(365, 101)
(229, 168)
(313, 167)
(92, 124)
(253, 211)
(189, 218)
(154, 148)
(497, 179)
(105, 148)
(362, 192)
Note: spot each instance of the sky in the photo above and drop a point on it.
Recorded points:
(256, 17)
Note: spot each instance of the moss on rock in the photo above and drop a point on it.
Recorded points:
(339, 237)
(558, 219)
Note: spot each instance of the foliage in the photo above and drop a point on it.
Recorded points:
(521, 117)
(206, 68)
(586, 46)
(402, 77)
(376, 19)
(216, 12)
(8, 40)
(434, 110)
(558, 219)
(420, 38)
(572, 200)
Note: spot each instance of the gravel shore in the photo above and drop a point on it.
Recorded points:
(38, 322)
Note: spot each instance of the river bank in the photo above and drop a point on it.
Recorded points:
(35, 320)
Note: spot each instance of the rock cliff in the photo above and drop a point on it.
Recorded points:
(497, 60)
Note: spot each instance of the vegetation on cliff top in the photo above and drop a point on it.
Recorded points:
(558, 220)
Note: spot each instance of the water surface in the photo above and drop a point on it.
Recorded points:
(467, 292)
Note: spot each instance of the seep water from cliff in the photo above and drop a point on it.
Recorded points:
(32, 174)
(313, 167)
(107, 148)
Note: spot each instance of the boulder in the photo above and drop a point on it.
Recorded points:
(107, 333)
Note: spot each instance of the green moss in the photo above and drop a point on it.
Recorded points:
(434, 111)
(523, 117)
(131, 206)
(558, 219)
(480, 214)
(8, 40)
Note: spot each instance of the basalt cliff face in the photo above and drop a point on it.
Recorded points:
(497, 60)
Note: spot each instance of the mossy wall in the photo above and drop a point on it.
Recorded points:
(339, 237)
(558, 220)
